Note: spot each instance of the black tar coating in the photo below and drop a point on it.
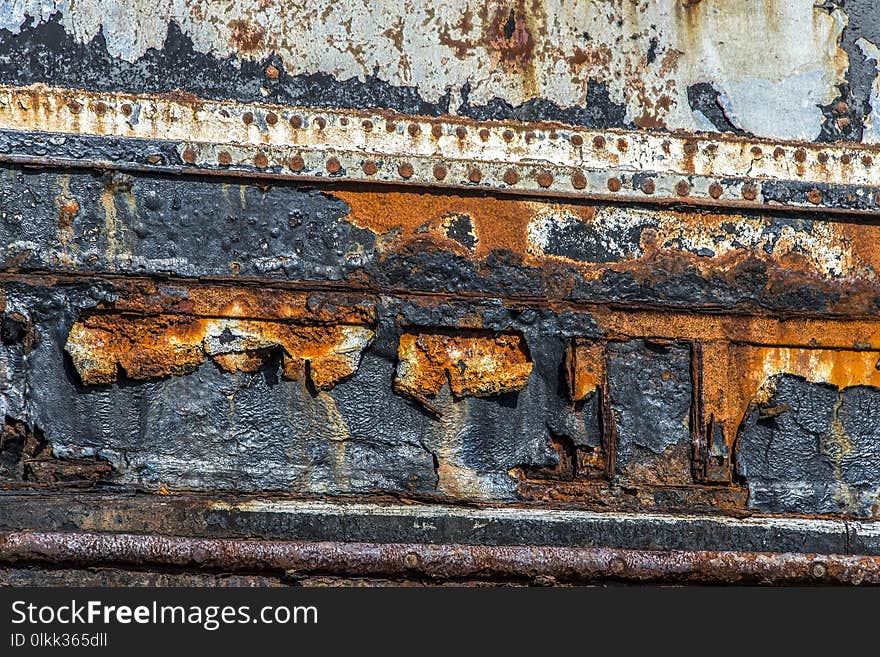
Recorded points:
(704, 98)
(820, 455)
(215, 430)
(47, 53)
(850, 197)
(145, 224)
(650, 394)
(597, 112)
(863, 22)
(199, 516)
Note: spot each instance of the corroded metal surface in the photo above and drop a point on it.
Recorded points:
(450, 561)
(507, 267)
(172, 132)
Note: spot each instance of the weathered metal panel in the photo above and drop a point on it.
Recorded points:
(564, 259)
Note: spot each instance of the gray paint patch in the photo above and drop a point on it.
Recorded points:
(820, 456)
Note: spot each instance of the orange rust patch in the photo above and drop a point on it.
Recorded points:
(474, 364)
(303, 308)
(585, 365)
(152, 347)
(405, 217)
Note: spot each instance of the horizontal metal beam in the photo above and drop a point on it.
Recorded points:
(436, 562)
(181, 132)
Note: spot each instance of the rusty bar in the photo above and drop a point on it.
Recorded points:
(437, 562)
(541, 158)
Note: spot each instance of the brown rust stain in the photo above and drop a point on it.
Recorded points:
(246, 36)
(241, 302)
(102, 345)
(585, 368)
(474, 363)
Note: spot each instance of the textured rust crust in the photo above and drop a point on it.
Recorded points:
(439, 562)
(473, 364)
(148, 348)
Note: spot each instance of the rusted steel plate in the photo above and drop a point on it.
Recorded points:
(449, 561)
(545, 159)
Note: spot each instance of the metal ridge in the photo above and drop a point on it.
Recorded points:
(181, 132)
(437, 562)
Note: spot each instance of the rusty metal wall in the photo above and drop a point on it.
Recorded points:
(585, 256)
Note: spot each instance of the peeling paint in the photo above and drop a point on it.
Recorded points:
(479, 365)
(102, 345)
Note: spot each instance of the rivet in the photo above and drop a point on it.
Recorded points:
(822, 157)
(437, 130)
(484, 134)
(598, 142)
(189, 156)
(333, 165)
(390, 126)
(867, 160)
(439, 171)
(577, 140)
(100, 107)
(126, 109)
(648, 186)
(578, 180)
(715, 190)
(800, 155)
(224, 158)
(846, 158)
(814, 196)
(405, 170)
(622, 144)
(756, 151)
(413, 129)
(74, 106)
(343, 121)
(545, 179)
(818, 570)
(690, 148)
(370, 167)
(272, 72)
(321, 122)
(460, 132)
(296, 121)
(553, 135)
(749, 192)
(248, 118)
(411, 560)
(261, 161)
(614, 184)
(778, 152)
(474, 175)
(296, 163)
(683, 188)
(271, 118)
(530, 136)
(511, 177)
(367, 125)
(507, 135)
